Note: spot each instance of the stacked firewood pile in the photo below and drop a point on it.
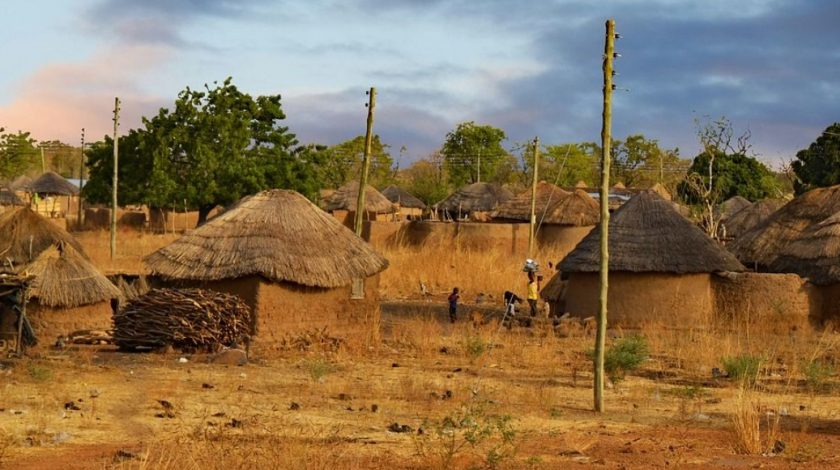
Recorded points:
(190, 320)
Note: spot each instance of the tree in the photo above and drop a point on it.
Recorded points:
(61, 158)
(426, 179)
(18, 153)
(343, 162)
(640, 162)
(473, 153)
(215, 147)
(567, 164)
(819, 164)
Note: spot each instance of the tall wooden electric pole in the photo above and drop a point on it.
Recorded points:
(81, 180)
(115, 180)
(533, 219)
(360, 201)
(606, 127)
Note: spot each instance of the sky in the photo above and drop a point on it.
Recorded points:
(531, 68)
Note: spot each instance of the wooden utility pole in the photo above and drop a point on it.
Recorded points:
(360, 201)
(533, 219)
(43, 162)
(115, 181)
(81, 180)
(601, 334)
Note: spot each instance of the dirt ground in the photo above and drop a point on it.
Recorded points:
(512, 399)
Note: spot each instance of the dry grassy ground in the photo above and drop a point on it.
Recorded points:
(483, 397)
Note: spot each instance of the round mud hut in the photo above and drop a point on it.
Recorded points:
(661, 268)
(745, 219)
(342, 204)
(24, 235)
(567, 221)
(406, 204)
(56, 195)
(518, 208)
(475, 201)
(296, 266)
(760, 246)
(67, 294)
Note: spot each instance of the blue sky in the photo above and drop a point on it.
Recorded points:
(529, 67)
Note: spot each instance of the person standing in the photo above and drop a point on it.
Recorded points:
(533, 292)
(453, 304)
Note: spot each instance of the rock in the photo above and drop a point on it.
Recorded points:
(374, 408)
(400, 428)
(701, 417)
(395, 365)
(208, 386)
(294, 406)
(231, 357)
(802, 407)
(71, 405)
(183, 360)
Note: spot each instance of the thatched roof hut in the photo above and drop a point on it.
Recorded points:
(53, 184)
(476, 197)
(661, 190)
(519, 207)
(21, 183)
(763, 243)
(648, 235)
(63, 278)
(345, 199)
(815, 254)
(276, 234)
(745, 219)
(577, 209)
(296, 266)
(9, 198)
(581, 184)
(405, 199)
(732, 205)
(25, 234)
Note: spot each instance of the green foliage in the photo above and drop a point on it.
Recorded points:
(213, 148)
(732, 175)
(318, 368)
(819, 164)
(625, 355)
(743, 367)
(468, 144)
(569, 163)
(17, 153)
(39, 373)
(343, 163)
(426, 179)
(640, 162)
(817, 373)
(475, 346)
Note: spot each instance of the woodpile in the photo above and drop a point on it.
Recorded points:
(190, 320)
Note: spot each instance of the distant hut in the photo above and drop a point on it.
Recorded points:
(408, 206)
(518, 208)
(67, 294)
(761, 245)
(56, 195)
(476, 201)
(20, 185)
(745, 219)
(732, 205)
(342, 204)
(619, 185)
(24, 235)
(296, 266)
(661, 267)
(581, 184)
(661, 190)
(8, 198)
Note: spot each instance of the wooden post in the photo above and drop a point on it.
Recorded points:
(43, 162)
(360, 201)
(115, 180)
(533, 224)
(601, 334)
(80, 217)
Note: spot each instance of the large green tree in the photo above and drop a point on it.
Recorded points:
(819, 164)
(567, 164)
(426, 178)
(732, 175)
(18, 153)
(214, 147)
(343, 162)
(473, 153)
(640, 162)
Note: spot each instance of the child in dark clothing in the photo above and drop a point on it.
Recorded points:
(453, 304)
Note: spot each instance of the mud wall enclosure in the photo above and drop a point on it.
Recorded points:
(779, 302)
(50, 323)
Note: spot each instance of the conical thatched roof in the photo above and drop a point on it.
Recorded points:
(648, 235)
(763, 243)
(732, 205)
(661, 190)
(619, 185)
(9, 198)
(25, 234)
(740, 222)
(814, 255)
(276, 234)
(21, 183)
(64, 278)
(581, 184)
(577, 209)
(519, 207)
(345, 198)
(402, 197)
(52, 183)
(476, 197)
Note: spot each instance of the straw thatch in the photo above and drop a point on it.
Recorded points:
(763, 243)
(519, 207)
(577, 209)
(619, 185)
(661, 190)
(553, 290)
(25, 234)
(581, 184)
(345, 198)
(53, 184)
(732, 205)
(648, 235)
(9, 198)
(476, 197)
(64, 278)
(276, 234)
(815, 255)
(21, 183)
(740, 222)
(402, 197)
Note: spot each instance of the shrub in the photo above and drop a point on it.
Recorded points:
(743, 367)
(816, 373)
(318, 368)
(39, 373)
(475, 346)
(624, 356)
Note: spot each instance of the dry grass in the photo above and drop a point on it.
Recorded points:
(132, 247)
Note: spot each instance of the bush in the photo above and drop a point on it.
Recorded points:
(816, 373)
(318, 368)
(743, 367)
(475, 346)
(624, 356)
